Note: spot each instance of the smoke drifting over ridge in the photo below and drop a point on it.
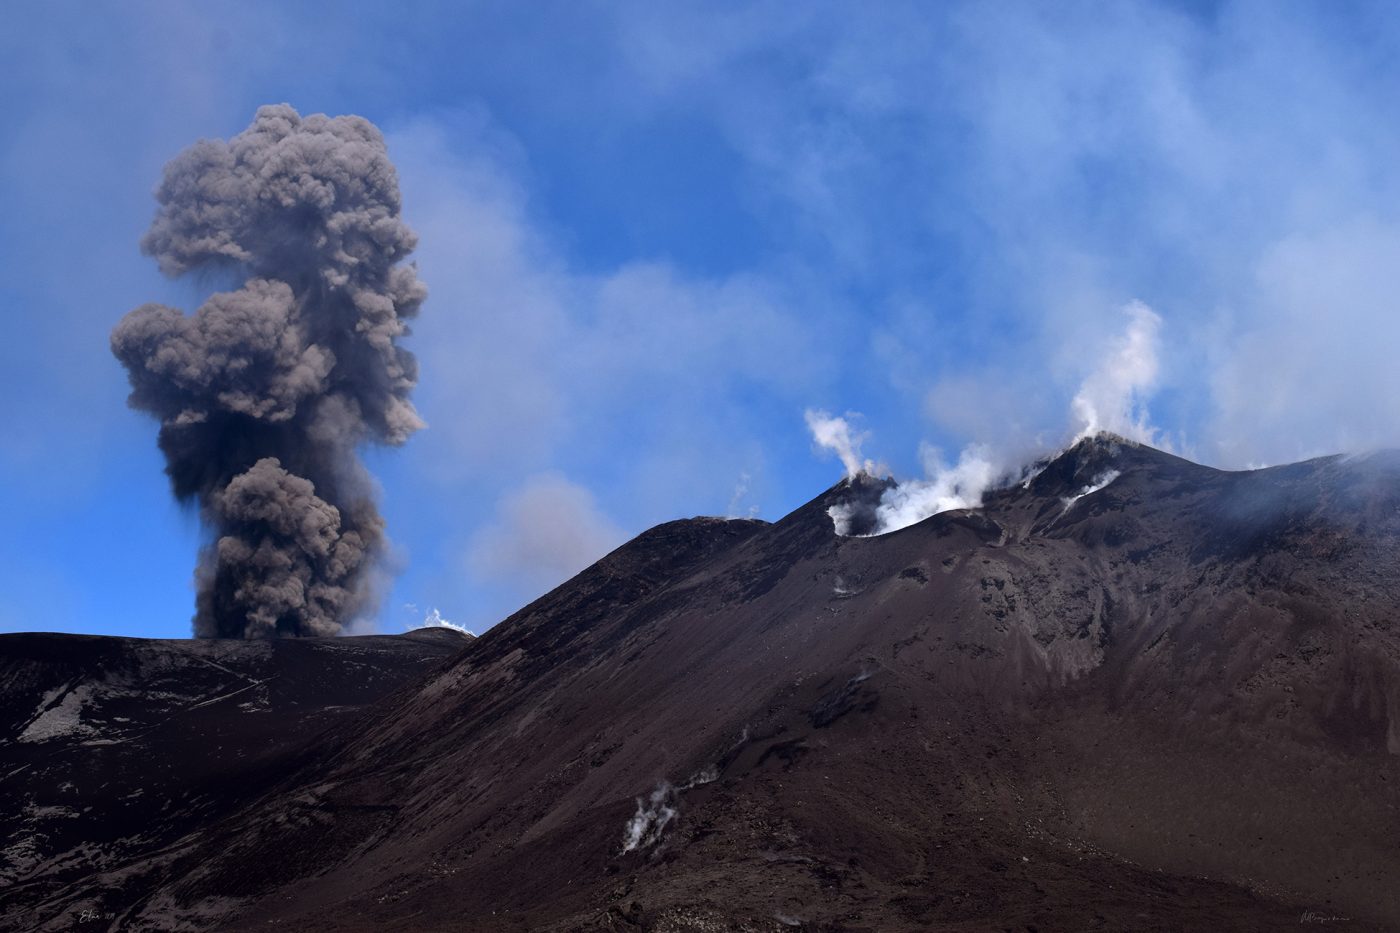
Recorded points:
(264, 393)
(1112, 398)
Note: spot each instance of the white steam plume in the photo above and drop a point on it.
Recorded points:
(1100, 482)
(736, 502)
(652, 816)
(838, 436)
(1114, 396)
(656, 812)
(959, 486)
(434, 619)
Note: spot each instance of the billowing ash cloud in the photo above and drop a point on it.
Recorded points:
(264, 393)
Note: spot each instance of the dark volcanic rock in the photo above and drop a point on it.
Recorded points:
(120, 752)
(1130, 693)
(858, 497)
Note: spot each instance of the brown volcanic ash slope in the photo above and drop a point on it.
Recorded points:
(115, 752)
(1172, 703)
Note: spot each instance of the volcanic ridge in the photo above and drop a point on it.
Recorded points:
(1128, 692)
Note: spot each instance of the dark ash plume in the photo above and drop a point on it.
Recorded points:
(264, 394)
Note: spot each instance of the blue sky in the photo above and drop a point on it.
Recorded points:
(656, 234)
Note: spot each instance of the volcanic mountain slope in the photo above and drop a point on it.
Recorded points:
(1131, 693)
(117, 751)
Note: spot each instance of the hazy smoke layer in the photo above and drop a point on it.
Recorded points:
(265, 392)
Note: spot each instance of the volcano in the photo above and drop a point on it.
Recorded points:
(1129, 692)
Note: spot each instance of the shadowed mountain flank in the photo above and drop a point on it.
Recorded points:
(119, 753)
(1129, 692)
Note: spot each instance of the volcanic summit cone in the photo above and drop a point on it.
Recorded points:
(1131, 692)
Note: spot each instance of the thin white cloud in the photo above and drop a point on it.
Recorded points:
(952, 205)
(1076, 158)
(1310, 365)
(742, 488)
(527, 360)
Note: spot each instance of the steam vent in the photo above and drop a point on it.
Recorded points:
(700, 468)
(1073, 708)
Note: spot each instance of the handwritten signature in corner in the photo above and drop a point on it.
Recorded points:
(1312, 916)
(89, 915)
